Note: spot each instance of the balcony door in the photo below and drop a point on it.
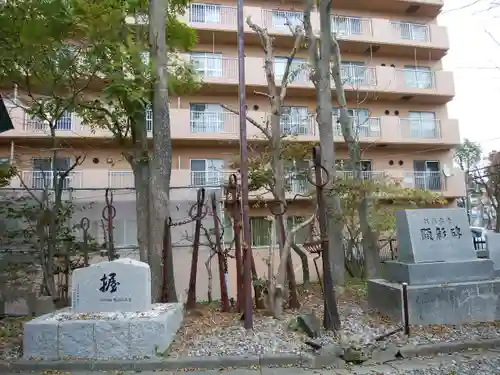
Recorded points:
(205, 13)
(297, 70)
(295, 121)
(418, 77)
(206, 172)
(206, 118)
(295, 176)
(427, 174)
(423, 125)
(360, 121)
(42, 171)
(345, 26)
(64, 122)
(282, 19)
(354, 73)
(206, 64)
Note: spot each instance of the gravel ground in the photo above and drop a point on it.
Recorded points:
(270, 335)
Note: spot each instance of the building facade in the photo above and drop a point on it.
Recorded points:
(394, 79)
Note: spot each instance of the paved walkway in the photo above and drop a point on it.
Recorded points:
(469, 363)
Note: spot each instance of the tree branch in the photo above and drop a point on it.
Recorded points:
(250, 120)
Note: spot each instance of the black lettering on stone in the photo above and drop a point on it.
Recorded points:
(109, 284)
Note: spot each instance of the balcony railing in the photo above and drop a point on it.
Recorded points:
(420, 129)
(297, 124)
(34, 124)
(365, 175)
(213, 178)
(424, 180)
(368, 128)
(357, 75)
(215, 67)
(282, 19)
(45, 179)
(347, 26)
(411, 31)
(212, 14)
(213, 122)
(121, 179)
(416, 79)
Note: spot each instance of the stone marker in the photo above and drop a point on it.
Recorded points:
(447, 283)
(434, 235)
(493, 250)
(123, 285)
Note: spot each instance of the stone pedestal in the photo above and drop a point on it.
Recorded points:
(438, 272)
(100, 336)
(450, 303)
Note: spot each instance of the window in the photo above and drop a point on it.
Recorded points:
(344, 166)
(297, 69)
(285, 19)
(296, 176)
(354, 73)
(4, 161)
(418, 77)
(360, 118)
(145, 57)
(423, 125)
(64, 122)
(345, 26)
(261, 231)
(42, 172)
(295, 120)
(412, 31)
(207, 172)
(207, 64)
(206, 118)
(205, 13)
(427, 174)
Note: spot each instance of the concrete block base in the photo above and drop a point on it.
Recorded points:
(453, 303)
(438, 272)
(102, 336)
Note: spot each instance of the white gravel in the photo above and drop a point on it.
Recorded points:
(273, 336)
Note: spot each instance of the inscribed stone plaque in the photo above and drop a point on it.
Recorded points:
(434, 235)
(123, 285)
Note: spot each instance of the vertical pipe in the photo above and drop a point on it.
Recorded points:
(247, 277)
(406, 312)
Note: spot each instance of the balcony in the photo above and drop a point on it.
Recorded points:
(389, 83)
(355, 33)
(184, 182)
(40, 180)
(211, 126)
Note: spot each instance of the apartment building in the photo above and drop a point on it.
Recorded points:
(395, 83)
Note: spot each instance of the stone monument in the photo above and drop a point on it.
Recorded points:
(493, 250)
(447, 283)
(111, 317)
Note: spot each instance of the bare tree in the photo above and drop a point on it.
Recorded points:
(272, 132)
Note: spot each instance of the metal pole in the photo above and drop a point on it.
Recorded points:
(247, 254)
(467, 195)
(406, 311)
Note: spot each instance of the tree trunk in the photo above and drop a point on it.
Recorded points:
(325, 121)
(161, 162)
(141, 180)
(306, 275)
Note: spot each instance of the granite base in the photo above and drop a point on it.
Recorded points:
(438, 272)
(453, 303)
(143, 335)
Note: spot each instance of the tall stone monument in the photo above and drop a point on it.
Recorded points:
(447, 283)
(111, 317)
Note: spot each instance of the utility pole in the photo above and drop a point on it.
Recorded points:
(247, 249)
(467, 195)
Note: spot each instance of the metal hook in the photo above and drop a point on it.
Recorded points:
(233, 179)
(105, 214)
(309, 177)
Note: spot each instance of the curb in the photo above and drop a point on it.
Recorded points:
(211, 363)
(204, 363)
(447, 347)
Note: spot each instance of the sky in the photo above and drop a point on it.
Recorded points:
(474, 57)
